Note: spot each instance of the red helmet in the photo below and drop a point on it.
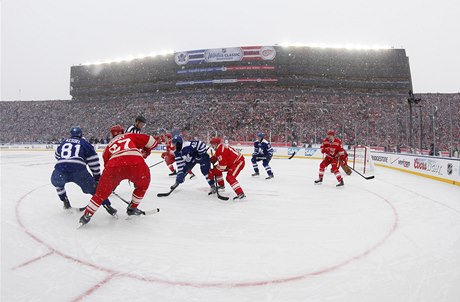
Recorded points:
(116, 129)
(215, 141)
(330, 132)
(168, 136)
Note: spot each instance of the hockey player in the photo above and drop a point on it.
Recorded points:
(332, 148)
(123, 159)
(73, 155)
(263, 151)
(169, 157)
(343, 163)
(138, 125)
(187, 155)
(230, 161)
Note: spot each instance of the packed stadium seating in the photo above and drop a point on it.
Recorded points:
(287, 115)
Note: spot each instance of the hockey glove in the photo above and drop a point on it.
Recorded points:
(213, 159)
(164, 154)
(175, 185)
(347, 169)
(145, 152)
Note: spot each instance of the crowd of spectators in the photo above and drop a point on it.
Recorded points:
(286, 115)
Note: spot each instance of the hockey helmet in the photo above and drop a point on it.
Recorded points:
(177, 139)
(116, 130)
(260, 135)
(76, 132)
(168, 136)
(330, 132)
(141, 119)
(215, 141)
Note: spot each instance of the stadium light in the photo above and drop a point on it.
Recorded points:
(131, 58)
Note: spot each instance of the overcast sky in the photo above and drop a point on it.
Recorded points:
(42, 39)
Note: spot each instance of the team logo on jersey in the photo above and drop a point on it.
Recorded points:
(181, 58)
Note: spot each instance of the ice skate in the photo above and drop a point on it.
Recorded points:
(110, 210)
(213, 190)
(134, 212)
(173, 173)
(239, 197)
(319, 181)
(340, 184)
(270, 176)
(84, 220)
(255, 174)
(66, 204)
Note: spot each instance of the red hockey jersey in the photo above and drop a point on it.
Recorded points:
(227, 156)
(127, 149)
(332, 149)
(170, 148)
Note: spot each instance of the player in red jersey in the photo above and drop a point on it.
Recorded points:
(123, 159)
(169, 156)
(333, 151)
(230, 161)
(343, 162)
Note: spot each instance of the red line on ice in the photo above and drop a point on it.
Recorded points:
(112, 273)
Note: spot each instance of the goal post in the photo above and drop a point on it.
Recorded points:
(362, 161)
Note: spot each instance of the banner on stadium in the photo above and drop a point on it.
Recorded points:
(230, 54)
(227, 81)
(224, 68)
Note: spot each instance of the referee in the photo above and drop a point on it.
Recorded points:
(137, 126)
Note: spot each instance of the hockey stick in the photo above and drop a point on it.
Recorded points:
(173, 187)
(365, 177)
(217, 191)
(154, 211)
(292, 155)
(215, 183)
(121, 198)
(156, 164)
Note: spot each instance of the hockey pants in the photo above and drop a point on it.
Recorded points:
(138, 174)
(82, 178)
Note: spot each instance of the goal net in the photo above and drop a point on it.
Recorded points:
(361, 160)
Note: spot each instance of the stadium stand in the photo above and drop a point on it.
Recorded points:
(294, 94)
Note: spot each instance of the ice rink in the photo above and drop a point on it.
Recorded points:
(394, 238)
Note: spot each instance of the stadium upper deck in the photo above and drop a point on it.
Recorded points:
(360, 70)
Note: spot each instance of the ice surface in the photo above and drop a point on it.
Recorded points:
(394, 238)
